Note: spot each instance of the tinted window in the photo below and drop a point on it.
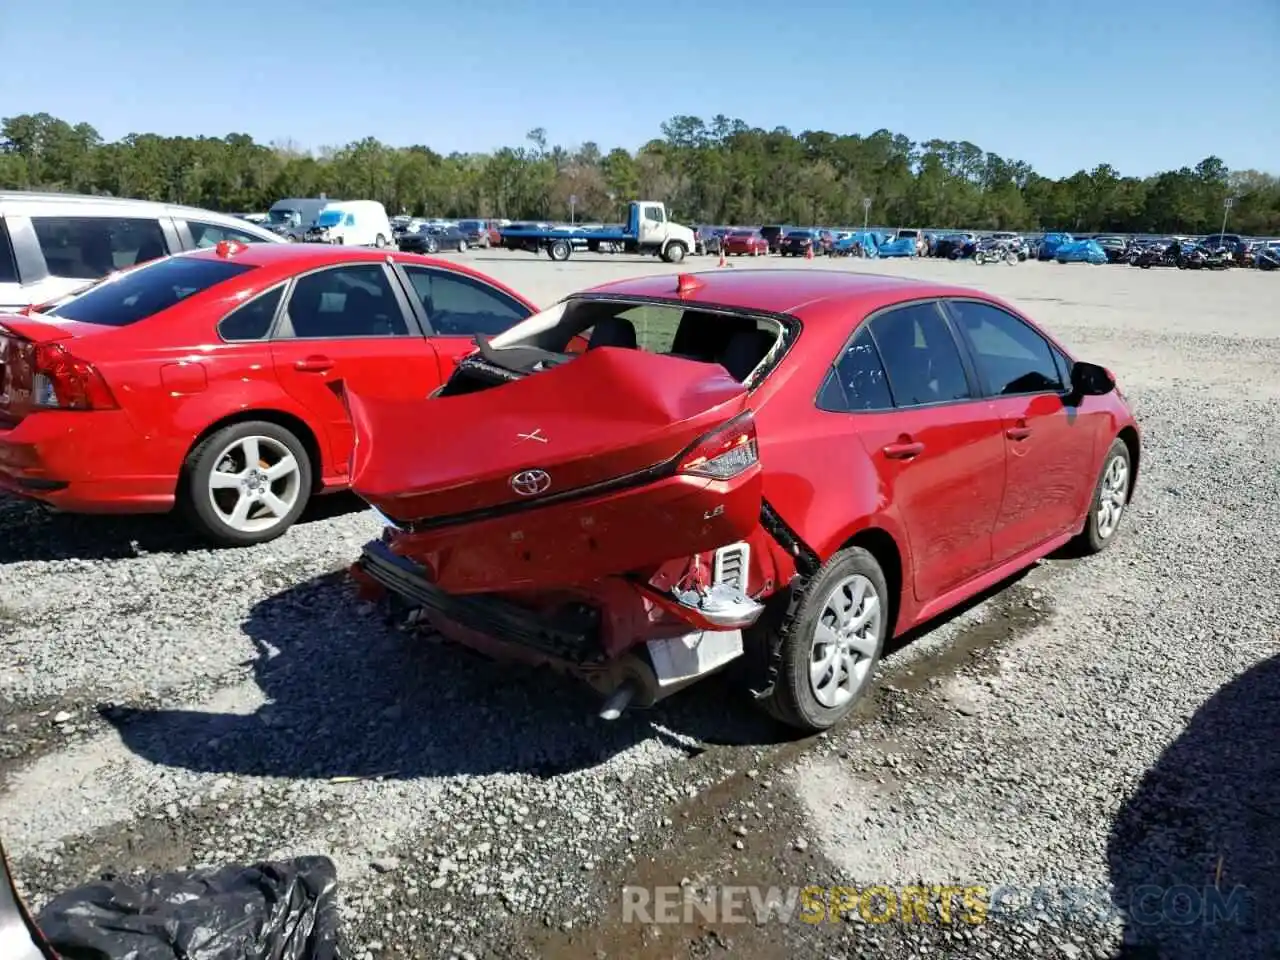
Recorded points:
(8, 271)
(857, 381)
(920, 356)
(87, 248)
(458, 305)
(653, 213)
(1010, 356)
(351, 301)
(139, 294)
(251, 321)
(211, 234)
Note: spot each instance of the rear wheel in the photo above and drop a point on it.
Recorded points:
(979, 259)
(830, 642)
(1011, 258)
(247, 483)
(560, 250)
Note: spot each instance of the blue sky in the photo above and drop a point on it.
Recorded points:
(1060, 84)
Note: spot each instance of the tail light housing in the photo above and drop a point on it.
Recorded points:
(725, 452)
(61, 381)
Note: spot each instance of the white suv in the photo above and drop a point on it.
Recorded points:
(53, 243)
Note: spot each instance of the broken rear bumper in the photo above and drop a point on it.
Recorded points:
(487, 615)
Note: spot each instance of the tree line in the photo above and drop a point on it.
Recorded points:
(720, 171)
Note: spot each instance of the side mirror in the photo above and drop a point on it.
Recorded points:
(1090, 380)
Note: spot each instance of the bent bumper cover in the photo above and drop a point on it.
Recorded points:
(489, 615)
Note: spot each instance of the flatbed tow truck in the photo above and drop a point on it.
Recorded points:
(647, 231)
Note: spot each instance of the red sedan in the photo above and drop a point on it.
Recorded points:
(745, 243)
(208, 379)
(780, 469)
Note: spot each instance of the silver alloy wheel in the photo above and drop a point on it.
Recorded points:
(1113, 494)
(844, 641)
(254, 484)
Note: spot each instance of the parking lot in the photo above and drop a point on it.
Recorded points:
(1109, 723)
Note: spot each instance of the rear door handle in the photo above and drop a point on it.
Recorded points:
(1018, 433)
(316, 364)
(903, 451)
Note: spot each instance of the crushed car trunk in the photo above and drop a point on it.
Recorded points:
(608, 463)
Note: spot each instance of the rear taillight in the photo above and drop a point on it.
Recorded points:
(61, 381)
(725, 452)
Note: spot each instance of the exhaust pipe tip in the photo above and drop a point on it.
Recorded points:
(618, 701)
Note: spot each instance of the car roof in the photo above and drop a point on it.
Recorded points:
(284, 259)
(802, 293)
(74, 204)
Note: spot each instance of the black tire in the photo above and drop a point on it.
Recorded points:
(431, 246)
(1095, 538)
(379, 241)
(792, 700)
(462, 246)
(674, 253)
(193, 490)
(560, 250)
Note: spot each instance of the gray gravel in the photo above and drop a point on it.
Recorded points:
(1101, 724)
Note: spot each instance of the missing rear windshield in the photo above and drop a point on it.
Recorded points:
(738, 342)
(146, 291)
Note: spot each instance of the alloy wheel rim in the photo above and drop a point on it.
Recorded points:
(255, 484)
(1113, 493)
(844, 641)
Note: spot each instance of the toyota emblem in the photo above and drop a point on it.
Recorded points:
(530, 483)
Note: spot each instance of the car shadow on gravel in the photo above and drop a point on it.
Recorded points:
(1194, 854)
(348, 695)
(29, 532)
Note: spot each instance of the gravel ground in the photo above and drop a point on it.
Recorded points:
(1099, 725)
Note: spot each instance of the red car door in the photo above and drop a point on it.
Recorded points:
(1049, 442)
(350, 323)
(939, 452)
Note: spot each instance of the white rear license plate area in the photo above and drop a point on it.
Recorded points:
(677, 659)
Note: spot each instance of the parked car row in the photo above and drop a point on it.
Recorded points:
(1213, 252)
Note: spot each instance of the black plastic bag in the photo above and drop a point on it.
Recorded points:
(268, 911)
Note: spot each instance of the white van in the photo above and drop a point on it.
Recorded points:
(352, 223)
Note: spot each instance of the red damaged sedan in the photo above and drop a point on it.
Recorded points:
(778, 470)
(208, 379)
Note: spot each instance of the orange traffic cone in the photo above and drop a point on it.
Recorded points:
(722, 260)
(808, 252)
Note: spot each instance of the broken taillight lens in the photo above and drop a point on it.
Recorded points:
(61, 381)
(724, 453)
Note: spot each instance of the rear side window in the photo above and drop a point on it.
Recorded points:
(142, 293)
(211, 234)
(89, 248)
(920, 356)
(1010, 356)
(354, 300)
(8, 269)
(857, 381)
(252, 320)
